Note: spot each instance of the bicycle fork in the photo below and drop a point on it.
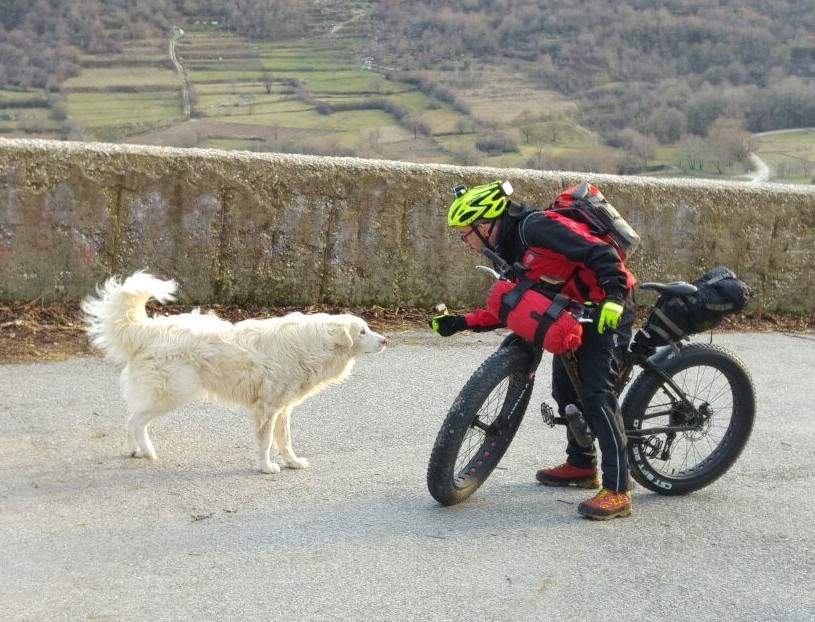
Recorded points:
(514, 400)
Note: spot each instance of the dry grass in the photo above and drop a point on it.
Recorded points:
(36, 332)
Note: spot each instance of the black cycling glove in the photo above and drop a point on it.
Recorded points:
(446, 325)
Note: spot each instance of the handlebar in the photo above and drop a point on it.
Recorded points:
(505, 271)
(503, 266)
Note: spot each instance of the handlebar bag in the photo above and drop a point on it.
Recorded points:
(537, 318)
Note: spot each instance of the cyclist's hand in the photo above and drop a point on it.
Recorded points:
(609, 313)
(447, 325)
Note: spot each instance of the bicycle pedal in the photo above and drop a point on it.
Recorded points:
(548, 414)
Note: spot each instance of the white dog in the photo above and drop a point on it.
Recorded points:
(266, 365)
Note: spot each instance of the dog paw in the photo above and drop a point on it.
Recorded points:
(270, 467)
(145, 456)
(297, 463)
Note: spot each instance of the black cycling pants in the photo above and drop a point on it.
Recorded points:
(598, 363)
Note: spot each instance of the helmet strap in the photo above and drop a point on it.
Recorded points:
(485, 239)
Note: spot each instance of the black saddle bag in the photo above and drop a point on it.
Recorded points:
(719, 293)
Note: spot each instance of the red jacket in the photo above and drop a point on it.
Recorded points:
(562, 255)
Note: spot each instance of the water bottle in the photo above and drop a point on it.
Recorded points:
(577, 424)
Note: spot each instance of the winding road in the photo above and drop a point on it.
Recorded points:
(761, 172)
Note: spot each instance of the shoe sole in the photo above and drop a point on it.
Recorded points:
(620, 514)
(587, 484)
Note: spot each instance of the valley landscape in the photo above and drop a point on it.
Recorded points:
(488, 83)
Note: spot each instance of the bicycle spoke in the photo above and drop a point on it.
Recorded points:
(707, 389)
(477, 435)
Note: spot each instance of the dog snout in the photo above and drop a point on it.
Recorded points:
(380, 341)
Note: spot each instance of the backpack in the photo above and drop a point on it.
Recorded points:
(718, 293)
(585, 203)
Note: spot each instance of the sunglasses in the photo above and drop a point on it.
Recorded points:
(464, 236)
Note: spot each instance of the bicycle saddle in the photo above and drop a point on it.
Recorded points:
(677, 288)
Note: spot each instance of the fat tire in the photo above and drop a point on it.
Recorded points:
(499, 379)
(729, 371)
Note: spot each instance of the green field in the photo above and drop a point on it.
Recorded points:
(102, 79)
(26, 113)
(16, 98)
(148, 108)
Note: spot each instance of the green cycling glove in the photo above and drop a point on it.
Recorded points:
(446, 325)
(608, 315)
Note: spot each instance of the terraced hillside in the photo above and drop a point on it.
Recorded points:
(310, 96)
(317, 93)
(330, 81)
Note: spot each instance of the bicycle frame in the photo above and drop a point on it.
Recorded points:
(652, 364)
(629, 362)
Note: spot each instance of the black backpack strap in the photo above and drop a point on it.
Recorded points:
(522, 226)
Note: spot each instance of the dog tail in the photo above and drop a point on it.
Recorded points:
(118, 308)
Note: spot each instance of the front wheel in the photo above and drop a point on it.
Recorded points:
(480, 425)
(685, 433)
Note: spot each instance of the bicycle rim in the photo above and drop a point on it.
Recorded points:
(708, 435)
(489, 433)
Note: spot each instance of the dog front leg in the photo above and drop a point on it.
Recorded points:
(282, 441)
(264, 424)
(138, 440)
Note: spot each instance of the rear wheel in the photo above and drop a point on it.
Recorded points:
(684, 437)
(480, 425)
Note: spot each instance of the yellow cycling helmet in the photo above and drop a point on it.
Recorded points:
(485, 202)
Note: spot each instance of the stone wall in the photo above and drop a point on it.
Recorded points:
(276, 229)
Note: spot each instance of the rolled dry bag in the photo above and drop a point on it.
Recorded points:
(534, 316)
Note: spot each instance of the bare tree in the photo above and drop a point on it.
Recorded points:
(266, 80)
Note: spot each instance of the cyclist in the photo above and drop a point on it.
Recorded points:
(563, 257)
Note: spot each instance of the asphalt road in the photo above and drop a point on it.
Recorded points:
(90, 534)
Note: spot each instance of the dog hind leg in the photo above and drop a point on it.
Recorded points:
(264, 425)
(282, 441)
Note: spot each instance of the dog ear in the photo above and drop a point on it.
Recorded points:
(342, 335)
